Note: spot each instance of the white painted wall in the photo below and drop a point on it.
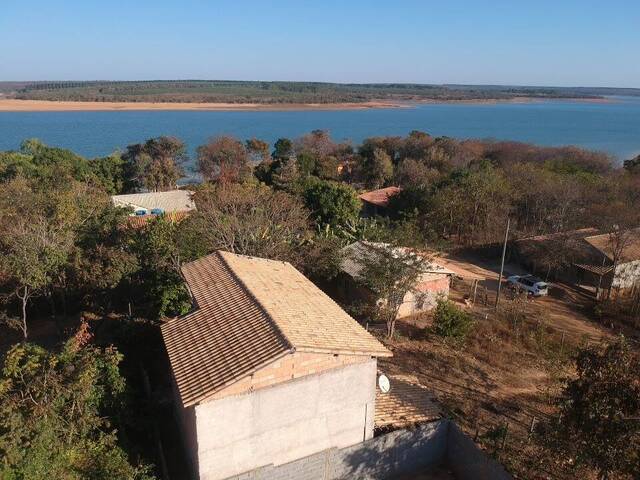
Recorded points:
(278, 424)
(627, 274)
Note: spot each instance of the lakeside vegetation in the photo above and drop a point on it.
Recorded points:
(72, 275)
(219, 91)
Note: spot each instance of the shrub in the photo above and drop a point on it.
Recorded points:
(451, 322)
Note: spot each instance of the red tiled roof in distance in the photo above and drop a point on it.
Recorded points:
(379, 198)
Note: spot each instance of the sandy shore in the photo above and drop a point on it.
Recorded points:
(13, 105)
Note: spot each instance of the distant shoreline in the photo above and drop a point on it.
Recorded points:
(16, 105)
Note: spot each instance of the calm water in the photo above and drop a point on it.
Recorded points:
(611, 127)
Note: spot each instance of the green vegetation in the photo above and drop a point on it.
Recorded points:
(272, 92)
(450, 321)
(600, 410)
(389, 273)
(54, 410)
(66, 254)
(331, 203)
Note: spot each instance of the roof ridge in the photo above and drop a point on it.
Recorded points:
(245, 289)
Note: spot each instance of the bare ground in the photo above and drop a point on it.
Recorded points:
(507, 374)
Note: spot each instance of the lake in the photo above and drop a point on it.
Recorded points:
(613, 127)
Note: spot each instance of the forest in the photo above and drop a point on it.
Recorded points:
(82, 295)
(219, 91)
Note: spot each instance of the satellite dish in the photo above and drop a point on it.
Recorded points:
(383, 383)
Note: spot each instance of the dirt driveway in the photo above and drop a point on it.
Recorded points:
(565, 309)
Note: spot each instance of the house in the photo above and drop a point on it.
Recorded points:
(621, 274)
(583, 257)
(267, 368)
(432, 284)
(375, 202)
(176, 204)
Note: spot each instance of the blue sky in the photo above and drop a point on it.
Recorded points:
(561, 42)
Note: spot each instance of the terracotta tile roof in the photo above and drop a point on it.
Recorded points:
(630, 252)
(407, 403)
(380, 197)
(172, 201)
(249, 312)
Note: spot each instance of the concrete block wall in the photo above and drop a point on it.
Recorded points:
(385, 457)
(468, 462)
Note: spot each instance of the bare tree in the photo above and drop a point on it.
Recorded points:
(223, 159)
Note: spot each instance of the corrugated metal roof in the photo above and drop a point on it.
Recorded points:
(251, 311)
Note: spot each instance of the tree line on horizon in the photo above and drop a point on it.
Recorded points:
(67, 256)
(277, 92)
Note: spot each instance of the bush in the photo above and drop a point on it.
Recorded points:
(451, 322)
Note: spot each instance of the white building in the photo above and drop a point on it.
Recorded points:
(432, 284)
(267, 368)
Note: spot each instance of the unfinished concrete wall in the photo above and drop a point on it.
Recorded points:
(402, 452)
(285, 422)
(468, 462)
(387, 456)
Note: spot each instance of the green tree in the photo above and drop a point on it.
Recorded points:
(389, 273)
(56, 412)
(158, 279)
(450, 321)
(379, 169)
(36, 240)
(600, 408)
(155, 165)
(331, 203)
(326, 168)
(306, 164)
(110, 173)
(282, 149)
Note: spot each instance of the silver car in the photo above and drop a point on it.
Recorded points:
(530, 284)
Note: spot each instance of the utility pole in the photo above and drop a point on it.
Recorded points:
(504, 252)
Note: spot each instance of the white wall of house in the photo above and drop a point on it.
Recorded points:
(427, 292)
(284, 422)
(627, 274)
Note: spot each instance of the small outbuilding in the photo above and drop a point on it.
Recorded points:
(175, 204)
(585, 258)
(432, 284)
(267, 368)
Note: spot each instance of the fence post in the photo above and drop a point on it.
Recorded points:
(504, 437)
(531, 428)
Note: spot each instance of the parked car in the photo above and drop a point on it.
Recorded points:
(530, 284)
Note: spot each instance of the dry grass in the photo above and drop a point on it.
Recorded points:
(507, 373)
